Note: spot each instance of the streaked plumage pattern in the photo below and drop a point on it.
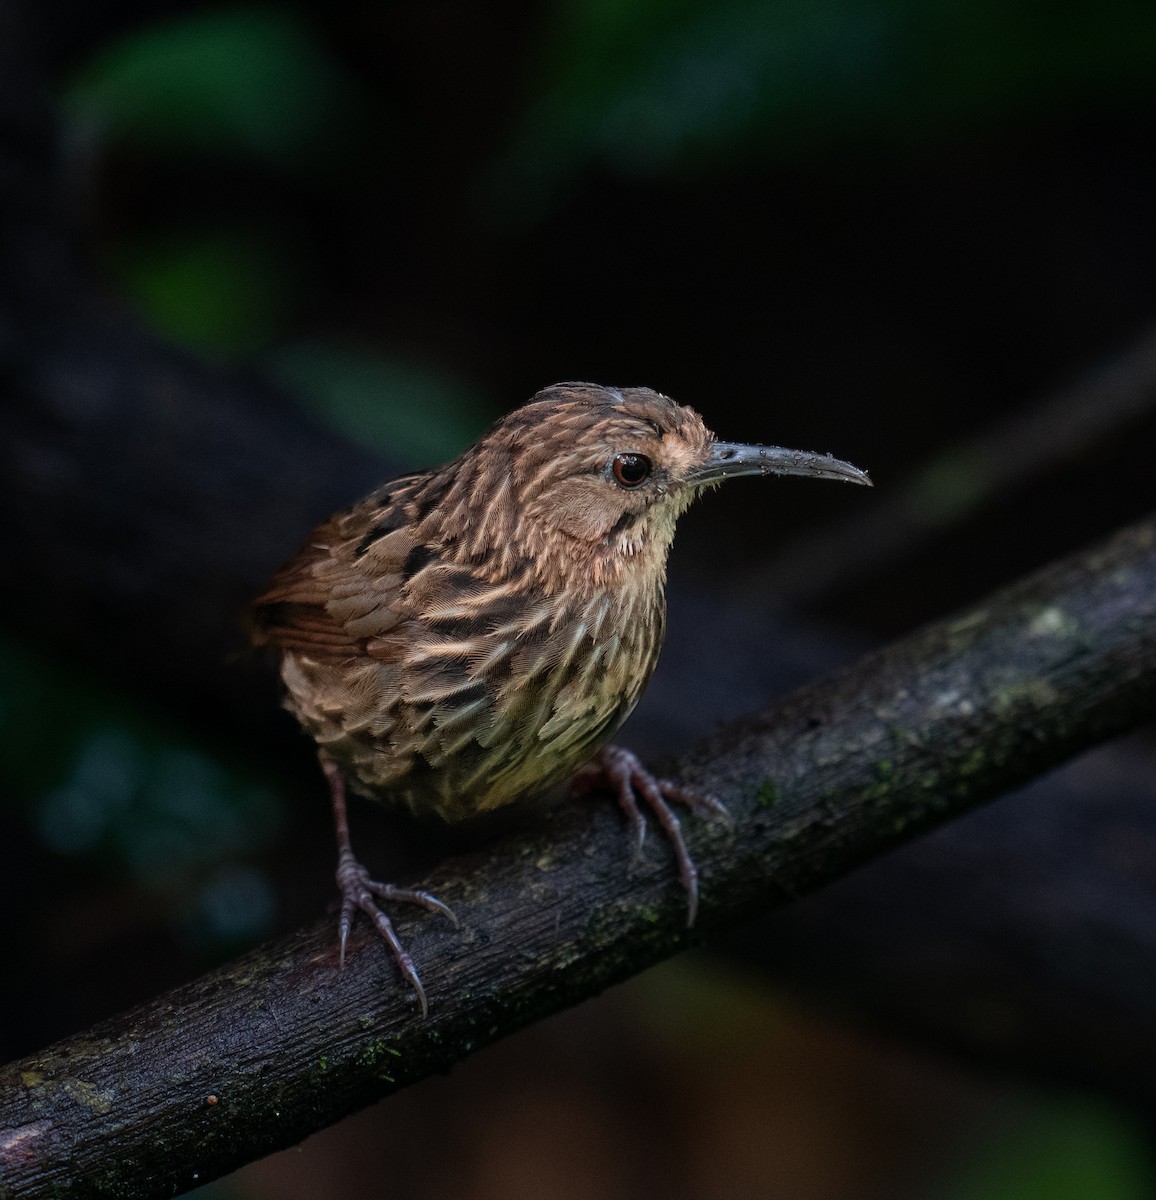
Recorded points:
(467, 637)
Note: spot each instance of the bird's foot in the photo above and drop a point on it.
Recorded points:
(621, 772)
(359, 892)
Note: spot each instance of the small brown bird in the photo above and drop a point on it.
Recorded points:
(470, 637)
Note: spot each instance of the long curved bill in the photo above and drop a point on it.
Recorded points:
(728, 459)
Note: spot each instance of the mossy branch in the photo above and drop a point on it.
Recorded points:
(257, 1055)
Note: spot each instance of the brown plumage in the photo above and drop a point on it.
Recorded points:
(467, 638)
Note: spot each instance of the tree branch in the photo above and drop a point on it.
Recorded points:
(262, 1052)
(1021, 937)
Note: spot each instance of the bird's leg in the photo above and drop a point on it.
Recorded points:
(358, 891)
(622, 773)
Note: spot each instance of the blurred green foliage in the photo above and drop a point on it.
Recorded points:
(246, 80)
(1062, 1150)
(657, 85)
(633, 86)
(252, 83)
(1040, 1146)
(410, 411)
(127, 794)
(219, 291)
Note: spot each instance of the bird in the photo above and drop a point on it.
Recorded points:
(468, 638)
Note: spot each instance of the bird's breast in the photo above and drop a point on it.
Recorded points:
(498, 711)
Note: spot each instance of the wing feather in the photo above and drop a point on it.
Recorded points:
(342, 592)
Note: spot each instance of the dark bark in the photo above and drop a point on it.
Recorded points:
(258, 1054)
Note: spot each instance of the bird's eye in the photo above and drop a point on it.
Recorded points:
(631, 469)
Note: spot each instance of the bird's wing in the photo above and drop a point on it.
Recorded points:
(341, 593)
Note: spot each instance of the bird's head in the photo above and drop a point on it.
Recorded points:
(600, 475)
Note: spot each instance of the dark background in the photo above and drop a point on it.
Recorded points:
(901, 232)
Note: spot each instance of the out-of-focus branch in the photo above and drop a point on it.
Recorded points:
(963, 480)
(257, 1055)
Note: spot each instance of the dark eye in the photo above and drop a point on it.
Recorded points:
(631, 469)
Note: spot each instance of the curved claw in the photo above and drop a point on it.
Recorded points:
(426, 900)
(629, 805)
(357, 894)
(702, 804)
(623, 773)
(344, 925)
